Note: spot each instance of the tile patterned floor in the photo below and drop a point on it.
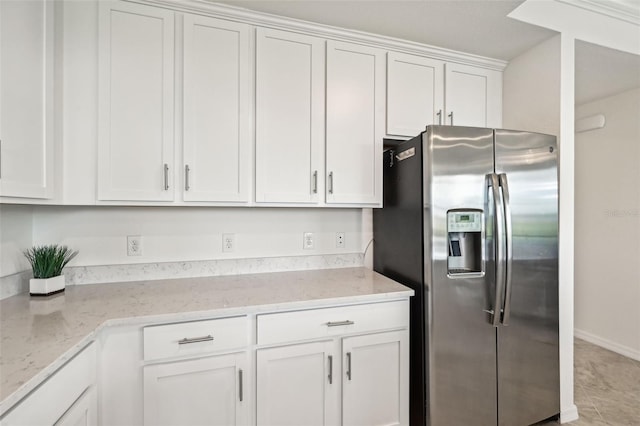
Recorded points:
(607, 387)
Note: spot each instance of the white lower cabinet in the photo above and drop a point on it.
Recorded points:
(84, 412)
(347, 378)
(65, 398)
(296, 385)
(205, 391)
(374, 383)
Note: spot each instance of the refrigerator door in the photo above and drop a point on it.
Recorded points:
(528, 357)
(462, 341)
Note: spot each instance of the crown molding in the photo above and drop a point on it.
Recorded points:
(233, 13)
(628, 11)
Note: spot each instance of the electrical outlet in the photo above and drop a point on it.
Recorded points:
(134, 245)
(307, 241)
(228, 242)
(340, 242)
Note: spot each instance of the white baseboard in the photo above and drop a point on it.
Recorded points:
(607, 344)
(569, 414)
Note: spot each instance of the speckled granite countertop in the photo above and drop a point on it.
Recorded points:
(39, 335)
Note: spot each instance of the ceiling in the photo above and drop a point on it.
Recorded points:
(603, 72)
(479, 27)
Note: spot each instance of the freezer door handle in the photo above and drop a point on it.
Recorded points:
(493, 184)
(508, 236)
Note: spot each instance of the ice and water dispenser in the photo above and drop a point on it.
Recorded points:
(464, 235)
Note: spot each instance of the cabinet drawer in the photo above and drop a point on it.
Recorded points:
(329, 322)
(195, 337)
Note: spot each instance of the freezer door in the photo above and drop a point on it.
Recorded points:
(528, 357)
(462, 342)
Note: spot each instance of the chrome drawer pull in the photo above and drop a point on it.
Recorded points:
(339, 323)
(186, 341)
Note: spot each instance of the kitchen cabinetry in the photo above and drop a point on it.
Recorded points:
(375, 387)
(137, 105)
(289, 117)
(84, 412)
(65, 398)
(355, 373)
(296, 386)
(415, 93)
(210, 390)
(135, 140)
(354, 123)
(473, 96)
(26, 98)
(196, 392)
(423, 91)
(216, 113)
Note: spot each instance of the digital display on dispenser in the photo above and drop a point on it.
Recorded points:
(467, 221)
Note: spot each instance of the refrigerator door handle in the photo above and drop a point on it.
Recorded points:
(508, 234)
(493, 182)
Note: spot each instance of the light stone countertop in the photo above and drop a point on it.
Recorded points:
(38, 335)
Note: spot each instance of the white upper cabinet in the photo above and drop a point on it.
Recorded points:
(289, 117)
(473, 96)
(216, 110)
(415, 93)
(355, 123)
(26, 98)
(136, 67)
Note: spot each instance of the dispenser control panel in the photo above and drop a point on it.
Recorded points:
(464, 221)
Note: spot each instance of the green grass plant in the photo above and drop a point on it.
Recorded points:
(48, 261)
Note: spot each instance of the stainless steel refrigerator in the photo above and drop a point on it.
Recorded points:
(470, 222)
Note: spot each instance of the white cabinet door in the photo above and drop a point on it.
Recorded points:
(206, 391)
(375, 379)
(415, 93)
(216, 110)
(83, 412)
(26, 99)
(298, 385)
(473, 96)
(135, 138)
(289, 116)
(355, 124)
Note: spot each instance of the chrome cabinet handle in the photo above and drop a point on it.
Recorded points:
(330, 377)
(508, 235)
(339, 323)
(315, 182)
(187, 169)
(330, 182)
(439, 114)
(451, 117)
(166, 177)
(188, 340)
(349, 365)
(240, 386)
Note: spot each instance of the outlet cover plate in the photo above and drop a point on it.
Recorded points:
(228, 243)
(134, 245)
(340, 241)
(307, 240)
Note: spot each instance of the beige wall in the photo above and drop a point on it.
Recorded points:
(607, 199)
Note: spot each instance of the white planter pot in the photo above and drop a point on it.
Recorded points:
(46, 286)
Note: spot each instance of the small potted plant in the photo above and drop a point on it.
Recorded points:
(47, 263)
